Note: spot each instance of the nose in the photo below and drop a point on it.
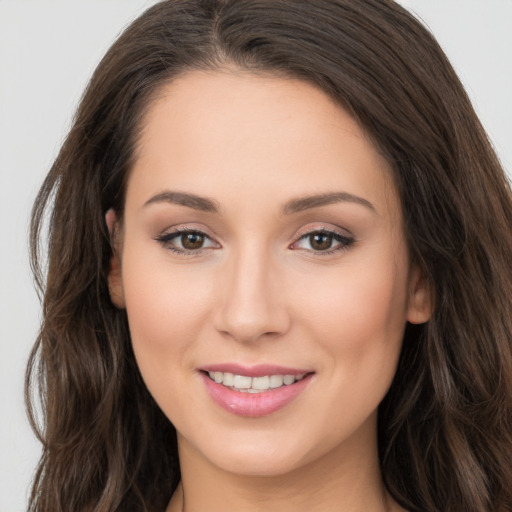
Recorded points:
(252, 299)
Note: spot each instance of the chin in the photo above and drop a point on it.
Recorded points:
(254, 454)
(255, 464)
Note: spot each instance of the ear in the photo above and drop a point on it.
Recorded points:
(115, 279)
(420, 304)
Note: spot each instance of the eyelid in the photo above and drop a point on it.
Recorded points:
(324, 228)
(169, 234)
(344, 238)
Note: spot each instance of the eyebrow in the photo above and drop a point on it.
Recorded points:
(300, 204)
(203, 204)
(315, 201)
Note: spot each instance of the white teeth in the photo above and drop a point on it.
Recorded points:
(276, 381)
(261, 382)
(289, 379)
(242, 382)
(229, 379)
(247, 384)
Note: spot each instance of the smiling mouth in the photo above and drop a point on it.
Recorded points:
(246, 384)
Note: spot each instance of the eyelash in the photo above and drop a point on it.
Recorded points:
(344, 241)
(167, 238)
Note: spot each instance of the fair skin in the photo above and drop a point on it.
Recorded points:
(254, 277)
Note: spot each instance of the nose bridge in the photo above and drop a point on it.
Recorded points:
(251, 306)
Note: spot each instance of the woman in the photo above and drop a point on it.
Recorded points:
(279, 272)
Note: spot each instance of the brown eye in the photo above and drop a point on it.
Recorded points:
(323, 242)
(192, 240)
(187, 241)
(320, 241)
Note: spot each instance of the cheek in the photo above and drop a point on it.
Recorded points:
(357, 322)
(357, 301)
(166, 311)
(358, 319)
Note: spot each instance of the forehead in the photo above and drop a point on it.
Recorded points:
(230, 131)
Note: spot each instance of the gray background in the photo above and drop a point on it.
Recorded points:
(48, 49)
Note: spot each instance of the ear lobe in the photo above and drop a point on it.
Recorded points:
(115, 280)
(419, 308)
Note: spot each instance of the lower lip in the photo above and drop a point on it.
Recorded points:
(253, 405)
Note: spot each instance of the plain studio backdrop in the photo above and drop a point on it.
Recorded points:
(48, 50)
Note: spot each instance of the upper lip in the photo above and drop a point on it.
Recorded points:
(258, 370)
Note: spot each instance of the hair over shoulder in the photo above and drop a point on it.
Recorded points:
(445, 426)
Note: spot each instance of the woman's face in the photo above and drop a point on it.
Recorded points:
(263, 238)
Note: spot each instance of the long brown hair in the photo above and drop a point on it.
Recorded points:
(445, 427)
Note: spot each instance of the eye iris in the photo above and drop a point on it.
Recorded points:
(320, 241)
(192, 240)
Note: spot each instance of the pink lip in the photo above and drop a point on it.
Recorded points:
(253, 405)
(258, 370)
